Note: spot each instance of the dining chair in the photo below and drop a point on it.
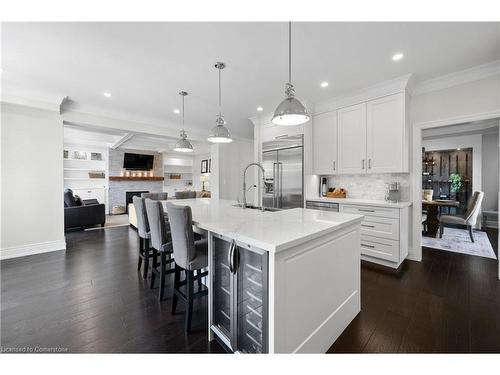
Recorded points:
(189, 256)
(468, 219)
(161, 244)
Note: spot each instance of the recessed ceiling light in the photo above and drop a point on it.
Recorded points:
(107, 95)
(260, 109)
(398, 56)
(176, 111)
(324, 84)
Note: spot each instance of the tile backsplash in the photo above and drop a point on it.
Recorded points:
(371, 186)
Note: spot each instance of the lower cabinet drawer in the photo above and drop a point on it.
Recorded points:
(384, 227)
(369, 210)
(380, 248)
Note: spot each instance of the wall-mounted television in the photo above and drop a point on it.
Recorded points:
(138, 161)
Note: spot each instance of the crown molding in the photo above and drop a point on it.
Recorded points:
(393, 86)
(457, 78)
(52, 103)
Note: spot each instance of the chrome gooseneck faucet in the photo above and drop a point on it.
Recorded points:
(245, 181)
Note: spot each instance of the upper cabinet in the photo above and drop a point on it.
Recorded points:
(351, 123)
(370, 137)
(324, 135)
(386, 134)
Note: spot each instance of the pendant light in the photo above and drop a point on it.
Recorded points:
(290, 111)
(183, 145)
(220, 134)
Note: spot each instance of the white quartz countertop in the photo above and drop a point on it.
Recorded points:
(271, 231)
(363, 202)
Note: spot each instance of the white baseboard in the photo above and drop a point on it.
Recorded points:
(413, 256)
(36, 248)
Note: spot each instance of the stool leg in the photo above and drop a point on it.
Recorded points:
(469, 227)
(146, 258)
(198, 272)
(177, 275)
(140, 253)
(163, 270)
(154, 267)
(189, 297)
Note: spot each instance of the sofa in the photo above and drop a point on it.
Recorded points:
(82, 214)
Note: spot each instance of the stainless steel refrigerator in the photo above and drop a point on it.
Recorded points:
(283, 162)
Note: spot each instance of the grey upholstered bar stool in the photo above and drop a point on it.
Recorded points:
(143, 233)
(155, 196)
(160, 242)
(185, 194)
(189, 255)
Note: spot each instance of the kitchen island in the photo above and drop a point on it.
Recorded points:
(280, 282)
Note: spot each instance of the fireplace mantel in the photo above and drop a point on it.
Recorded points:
(124, 178)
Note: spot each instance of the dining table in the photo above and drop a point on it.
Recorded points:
(433, 207)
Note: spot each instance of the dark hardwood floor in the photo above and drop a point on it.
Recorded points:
(91, 298)
(448, 303)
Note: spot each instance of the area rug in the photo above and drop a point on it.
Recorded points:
(113, 221)
(458, 241)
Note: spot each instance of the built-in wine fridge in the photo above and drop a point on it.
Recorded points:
(239, 295)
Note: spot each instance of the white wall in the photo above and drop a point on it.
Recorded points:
(228, 162)
(490, 167)
(32, 216)
(197, 185)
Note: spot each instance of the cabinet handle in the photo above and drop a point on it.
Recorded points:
(368, 246)
(334, 165)
(363, 164)
(370, 163)
(365, 210)
(368, 226)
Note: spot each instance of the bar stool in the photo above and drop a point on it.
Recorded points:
(143, 233)
(185, 194)
(155, 196)
(189, 256)
(160, 242)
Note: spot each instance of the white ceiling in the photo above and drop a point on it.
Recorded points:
(144, 65)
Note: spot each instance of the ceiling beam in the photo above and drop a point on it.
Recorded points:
(122, 140)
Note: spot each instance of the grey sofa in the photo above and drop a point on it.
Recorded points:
(81, 214)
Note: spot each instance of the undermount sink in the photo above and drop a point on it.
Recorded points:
(252, 207)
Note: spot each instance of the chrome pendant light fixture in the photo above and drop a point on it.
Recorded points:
(183, 145)
(220, 134)
(290, 111)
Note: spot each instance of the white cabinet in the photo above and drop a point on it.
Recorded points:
(385, 134)
(384, 233)
(351, 124)
(324, 135)
(373, 136)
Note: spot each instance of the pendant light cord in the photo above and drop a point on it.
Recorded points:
(290, 52)
(220, 109)
(182, 112)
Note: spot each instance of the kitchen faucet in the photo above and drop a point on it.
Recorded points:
(245, 182)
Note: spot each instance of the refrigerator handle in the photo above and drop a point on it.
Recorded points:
(230, 257)
(275, 183)
(280, 168)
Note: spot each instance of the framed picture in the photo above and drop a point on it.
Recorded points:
(95, 156)
(66, 154)
(209, 165)
(80, 155)
(204, 166)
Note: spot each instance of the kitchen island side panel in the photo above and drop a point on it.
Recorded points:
(316, 292)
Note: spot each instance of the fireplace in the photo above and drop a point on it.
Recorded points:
(130, 194)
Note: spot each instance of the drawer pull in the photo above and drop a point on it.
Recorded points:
(365, 210)
(368, 226)
(368, 246)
